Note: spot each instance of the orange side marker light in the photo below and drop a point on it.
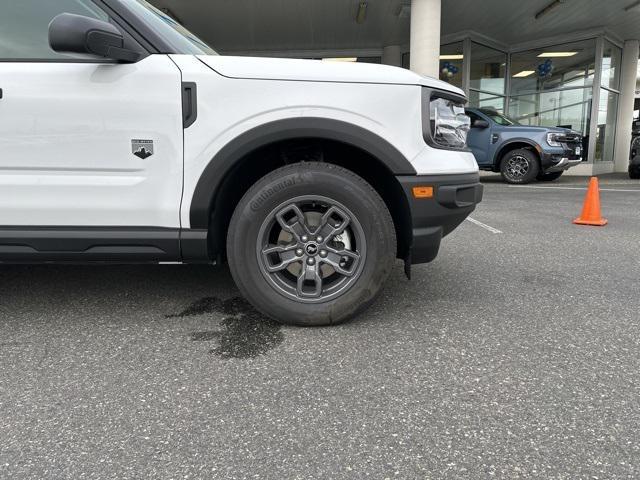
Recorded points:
(423, 192)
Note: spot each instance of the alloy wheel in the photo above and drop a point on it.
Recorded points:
(311, 248)
(517, 167)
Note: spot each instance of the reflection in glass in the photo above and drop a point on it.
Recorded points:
(611, 58)
(488, 68)
(486, 100)
(565, 108)
(451, 58)
(606, 131)
(561, 66)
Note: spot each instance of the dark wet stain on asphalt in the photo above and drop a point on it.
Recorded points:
(244, 332)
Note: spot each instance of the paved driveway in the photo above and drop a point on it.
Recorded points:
(513, 355)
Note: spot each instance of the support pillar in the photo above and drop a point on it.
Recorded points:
(425, 37)
(392, 55)
(624, 121)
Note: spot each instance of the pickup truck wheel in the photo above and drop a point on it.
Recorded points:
(519, 166)
(311, 244)
(549, 177)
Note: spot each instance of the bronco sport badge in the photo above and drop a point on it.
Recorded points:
(142, 148)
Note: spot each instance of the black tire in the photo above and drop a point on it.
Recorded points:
(311, 189)
(549, 177)
(634, 174)
(519, 166)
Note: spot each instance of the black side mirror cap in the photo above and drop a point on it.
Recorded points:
(480, 124)
(69, 33)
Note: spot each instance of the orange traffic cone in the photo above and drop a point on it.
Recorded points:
(591, 210)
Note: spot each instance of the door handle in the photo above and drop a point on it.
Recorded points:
(0, 94)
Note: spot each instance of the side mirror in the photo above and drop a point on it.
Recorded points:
(70, 33)
(480, 124)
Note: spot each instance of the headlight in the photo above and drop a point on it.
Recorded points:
(449, 124)
(553, 139)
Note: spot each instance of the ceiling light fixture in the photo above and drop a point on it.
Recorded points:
(556, 54)
(341, 59)
(524, 73)
(362, 12)
(452, 57)
(548, 8)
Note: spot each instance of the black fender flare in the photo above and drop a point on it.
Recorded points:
(498, 155)
(216, 171)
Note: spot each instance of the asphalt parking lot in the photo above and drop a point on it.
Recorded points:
(513, 355)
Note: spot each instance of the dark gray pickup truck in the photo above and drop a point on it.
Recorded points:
(521, 153)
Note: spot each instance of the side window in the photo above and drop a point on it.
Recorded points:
(24, 27)
(472, 116)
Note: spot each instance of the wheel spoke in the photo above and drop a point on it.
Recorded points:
(333, 222)
(310, 281)
(297, 226)
(345, 262)
(286, 255)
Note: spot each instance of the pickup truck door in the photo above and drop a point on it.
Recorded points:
(479, 140)
(85, 141)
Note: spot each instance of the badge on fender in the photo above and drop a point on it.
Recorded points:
(142, 148)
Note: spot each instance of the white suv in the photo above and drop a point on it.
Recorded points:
(124, 138)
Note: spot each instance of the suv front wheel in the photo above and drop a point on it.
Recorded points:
(311, 244)
(519, 166)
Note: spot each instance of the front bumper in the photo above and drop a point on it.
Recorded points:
(565, 163)
(454, 198)
(559, 159)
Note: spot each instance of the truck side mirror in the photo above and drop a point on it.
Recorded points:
(69, 33)
(480, 124)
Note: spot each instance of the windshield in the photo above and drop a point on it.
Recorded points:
(179, 37)
(498, 117)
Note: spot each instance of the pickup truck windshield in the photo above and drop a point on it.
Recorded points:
(179, 37)
(499, 118)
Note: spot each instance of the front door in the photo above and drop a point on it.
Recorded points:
(84, 142)
(479, 140)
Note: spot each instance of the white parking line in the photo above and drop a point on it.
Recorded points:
(574, 188)
(483, 225)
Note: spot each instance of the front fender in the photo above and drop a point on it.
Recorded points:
(222, 163)
(506, 143)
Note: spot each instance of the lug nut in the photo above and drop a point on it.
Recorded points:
(299, 252)
(305, 238)
(323, 253)
(311, 261)
(319, 239)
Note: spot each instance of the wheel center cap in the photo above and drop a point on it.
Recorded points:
(311, 249)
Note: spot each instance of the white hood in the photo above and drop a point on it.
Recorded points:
(317, 71)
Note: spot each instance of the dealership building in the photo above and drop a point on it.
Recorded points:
(570, 63)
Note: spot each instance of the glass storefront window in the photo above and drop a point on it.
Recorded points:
(561, 66)
(606, 131)
(564, 108)
(487, 70)
(451, 59)
(486, 100)
(611, 59)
